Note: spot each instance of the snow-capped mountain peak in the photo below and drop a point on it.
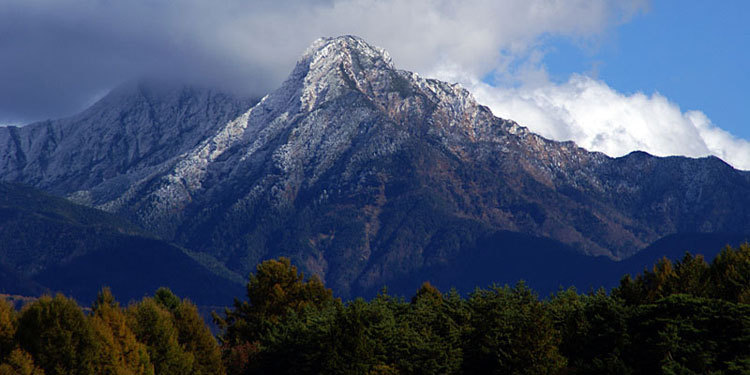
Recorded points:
(362, 173)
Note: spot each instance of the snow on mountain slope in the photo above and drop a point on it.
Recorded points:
(365, 174)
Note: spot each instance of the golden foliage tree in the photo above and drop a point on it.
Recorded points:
(119, 351)
(19, 363)
(7, 328)
(196, 338)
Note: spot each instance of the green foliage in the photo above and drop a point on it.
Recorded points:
(686, 334)
(511, 333)
(278, 287)
(176, 337)
(154, 326)
(727, 278)
(594, 331)
(57, 335)
(429, 333)
(647, 326)
(362, 336)
(686, 317)
(275, 291)
(167, 299)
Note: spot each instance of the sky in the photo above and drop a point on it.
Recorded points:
(667, 77)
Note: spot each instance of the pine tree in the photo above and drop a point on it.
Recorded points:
(511, 333)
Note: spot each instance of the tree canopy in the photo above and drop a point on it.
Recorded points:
(683, 317)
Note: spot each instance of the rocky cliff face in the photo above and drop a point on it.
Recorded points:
(364, 174)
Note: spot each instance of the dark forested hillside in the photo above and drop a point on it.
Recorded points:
(683, 317)
(48, 243)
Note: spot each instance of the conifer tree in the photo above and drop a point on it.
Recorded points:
(276, 289)
(511, 333)
(154, 326)
(58, 336)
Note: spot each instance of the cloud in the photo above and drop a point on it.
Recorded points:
(599, 118)
(58, 54)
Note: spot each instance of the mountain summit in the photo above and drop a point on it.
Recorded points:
(369, 175)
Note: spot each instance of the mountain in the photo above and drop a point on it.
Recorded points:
(368, 175)
(50, 244)
(117, 141)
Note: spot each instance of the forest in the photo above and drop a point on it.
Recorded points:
(684, 317)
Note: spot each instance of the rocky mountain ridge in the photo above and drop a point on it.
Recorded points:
(365, 174)
(118, 140)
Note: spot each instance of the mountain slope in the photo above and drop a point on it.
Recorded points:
(48, 243)
(118, 140)
(367, 175)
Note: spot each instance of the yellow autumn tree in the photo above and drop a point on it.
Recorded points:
(19, 362)
(196, 338)
(120, 352)
(7, 328)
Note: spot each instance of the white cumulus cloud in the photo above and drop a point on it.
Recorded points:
(598, 118)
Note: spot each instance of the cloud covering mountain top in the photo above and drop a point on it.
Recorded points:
(59, 56)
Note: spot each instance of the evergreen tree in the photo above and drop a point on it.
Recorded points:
(359, 340)
(511, 333)
(154, 326)
(593, 330)
(57, 335)
(276, 291)
(686, 334)
(167, 299)
(428, 340)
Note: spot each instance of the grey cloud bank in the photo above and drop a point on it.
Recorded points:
(58, 55)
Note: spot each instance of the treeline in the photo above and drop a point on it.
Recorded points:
(686, 317)
(157, 335)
